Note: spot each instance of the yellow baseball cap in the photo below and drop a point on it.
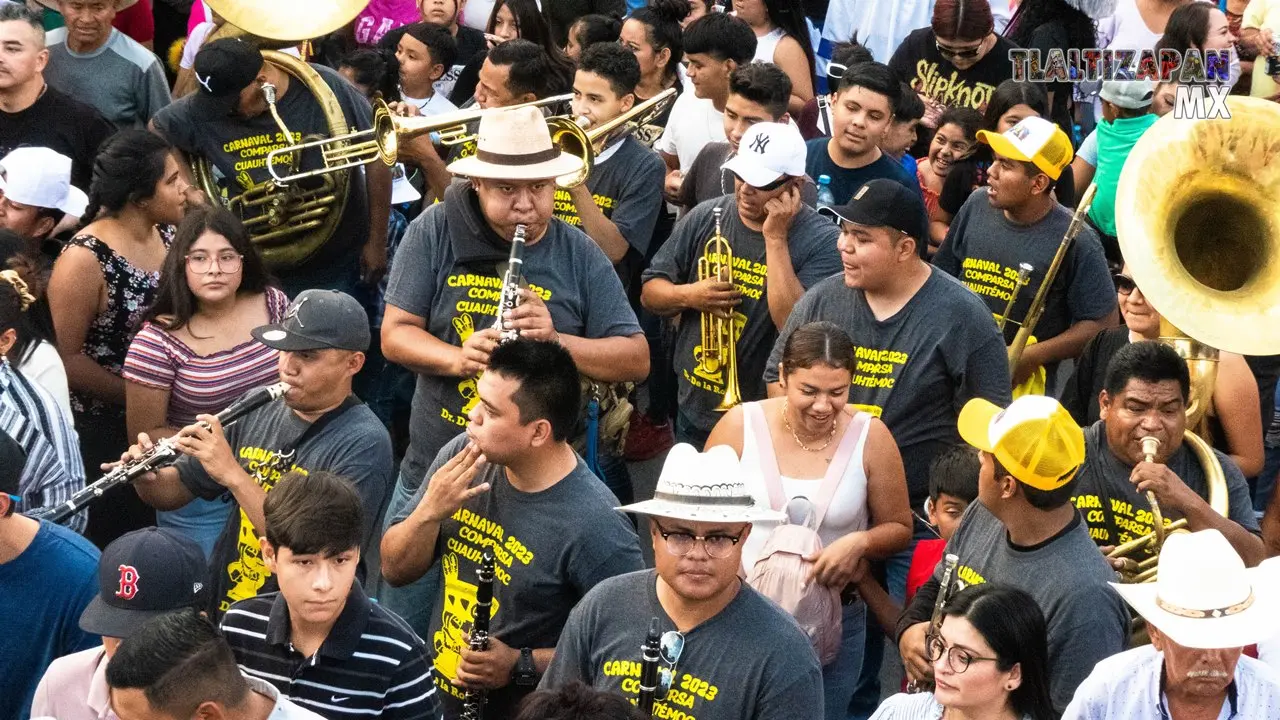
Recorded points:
(1035, 438)
(1034, 140)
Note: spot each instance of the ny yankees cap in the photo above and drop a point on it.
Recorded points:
(223, 68)
(318, 320)
(766, 153)
(143, 574)
(885, 203)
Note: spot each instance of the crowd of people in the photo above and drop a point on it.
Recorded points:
(285, 440)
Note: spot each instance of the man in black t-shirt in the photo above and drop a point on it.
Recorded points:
(1015, 222)
(32, 114)
(227, 122)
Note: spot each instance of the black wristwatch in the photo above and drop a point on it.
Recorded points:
(526, 673)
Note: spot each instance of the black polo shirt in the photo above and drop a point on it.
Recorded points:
(371, 664)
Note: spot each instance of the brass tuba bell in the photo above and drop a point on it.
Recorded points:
(1199, 226)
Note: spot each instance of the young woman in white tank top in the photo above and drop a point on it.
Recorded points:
(840, 458)
(782, 38)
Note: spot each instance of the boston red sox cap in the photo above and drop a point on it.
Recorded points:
(141, 575)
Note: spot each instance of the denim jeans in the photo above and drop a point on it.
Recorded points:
(687, 432)
(416, 601)
(840, 678)
(617, 477)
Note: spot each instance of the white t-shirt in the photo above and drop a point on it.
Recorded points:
(44, 368)
(437, 104)
(194, 42)
(694, 122)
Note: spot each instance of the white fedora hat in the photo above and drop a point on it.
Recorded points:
(1204, 597)
(515, 144)
(703, 487)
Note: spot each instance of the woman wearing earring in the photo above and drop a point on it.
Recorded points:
(990, 661)
(102, 285)
(811, 443)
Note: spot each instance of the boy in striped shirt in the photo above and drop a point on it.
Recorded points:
(320, 640)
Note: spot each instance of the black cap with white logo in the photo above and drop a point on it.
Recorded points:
(223, 68)
(886, 203)
(143, 574)
(318, 320)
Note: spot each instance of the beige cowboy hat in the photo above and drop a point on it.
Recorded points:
(53, 4)
(1204, 597)
(515, 144)
(704, 487)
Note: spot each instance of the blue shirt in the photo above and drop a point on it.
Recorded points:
(42, 593)
(846, 181)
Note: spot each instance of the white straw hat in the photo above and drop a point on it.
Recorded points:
(41, 177)
(703, 487)
(1204, 597)
(515, 144)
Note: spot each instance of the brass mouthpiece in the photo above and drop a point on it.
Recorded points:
(1150, 446)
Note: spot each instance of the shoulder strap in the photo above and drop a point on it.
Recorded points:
(858, 426)
(321, 422)
(753, 417)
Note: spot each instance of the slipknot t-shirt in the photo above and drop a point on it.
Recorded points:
(920, 65)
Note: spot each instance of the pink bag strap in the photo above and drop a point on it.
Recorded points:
(835, 471)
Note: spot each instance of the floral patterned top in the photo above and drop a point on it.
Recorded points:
(130, 292)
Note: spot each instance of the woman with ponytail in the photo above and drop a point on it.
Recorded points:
(102, 285)
(34, 351)
(654, 35)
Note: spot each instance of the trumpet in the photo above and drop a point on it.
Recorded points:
(164, 452)
(473, 705)
(510, 296)
(719, 333)
(382, 140)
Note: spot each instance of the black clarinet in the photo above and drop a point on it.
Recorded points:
(164, 452)
(649, 657)
(473, 706)
(510, 294)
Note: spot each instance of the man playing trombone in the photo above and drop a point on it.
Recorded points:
(1145, 396)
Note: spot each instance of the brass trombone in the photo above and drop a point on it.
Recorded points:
(719, 333)
(382, 140)
(571, 136)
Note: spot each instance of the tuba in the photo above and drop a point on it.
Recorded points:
(1200, 230)
(287, 225)
(719, 333)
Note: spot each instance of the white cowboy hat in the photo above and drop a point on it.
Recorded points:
(120, 4)
(1204, 597)
(515, 144)
(703, 487)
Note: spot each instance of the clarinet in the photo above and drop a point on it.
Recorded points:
(649, 669)
(473, 706)
(939, 604)
(164, 452)
(511, 285)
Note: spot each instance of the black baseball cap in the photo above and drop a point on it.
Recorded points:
(319, 320)
(886, 203)
(144, 574)
(223, 68)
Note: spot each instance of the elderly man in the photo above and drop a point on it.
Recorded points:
(745, 658)
(94, 62)
(1201, 613)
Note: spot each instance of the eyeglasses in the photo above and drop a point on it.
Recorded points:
(961, 53)
(228, 262)
(1124, 284)
(958, 659)
(681, 543)
(669, 650)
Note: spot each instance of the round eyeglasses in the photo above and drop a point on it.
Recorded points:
(227, 262)
(680, 543)
(958, 659)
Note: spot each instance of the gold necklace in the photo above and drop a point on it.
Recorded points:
(786, 421)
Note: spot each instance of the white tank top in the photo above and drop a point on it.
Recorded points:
(848, 509)
(766, 44)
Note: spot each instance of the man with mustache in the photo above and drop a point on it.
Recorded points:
(1201, 614)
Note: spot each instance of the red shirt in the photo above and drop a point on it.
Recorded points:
(923, 561)
(137, 22)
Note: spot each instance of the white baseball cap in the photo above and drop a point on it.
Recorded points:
(767, 152)
(41, 177)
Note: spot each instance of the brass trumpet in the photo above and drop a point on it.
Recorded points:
(719, 333)
(382, 140)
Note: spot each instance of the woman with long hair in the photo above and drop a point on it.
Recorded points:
(34, 352)
(195, 354)
(101, 287)
(782, 38)
(1055, 25)
(990, 661)
(589, 30)
(1201, 26)
(512, 19)
(810, 443)
(654, 34)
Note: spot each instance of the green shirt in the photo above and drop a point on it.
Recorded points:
(1115, 140)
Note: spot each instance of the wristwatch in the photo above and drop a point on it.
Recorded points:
(526, 673)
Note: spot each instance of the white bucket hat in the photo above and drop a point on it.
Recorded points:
(703, 487)
(515, 144)
(41, 177)
(1204, 597)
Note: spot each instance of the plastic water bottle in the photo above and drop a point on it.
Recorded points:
(826, 199)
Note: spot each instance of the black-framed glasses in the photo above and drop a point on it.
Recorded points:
(227, 262)
(1124, 284)
(958, 659)
(960, 53)
(670, 648)
(681, 543)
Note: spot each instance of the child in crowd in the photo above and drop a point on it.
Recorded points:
(424, 53)
(955, 140)
(901, 133)
(953, 484)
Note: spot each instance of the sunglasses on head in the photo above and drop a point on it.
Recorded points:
(961, 53)
(1124, 284)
